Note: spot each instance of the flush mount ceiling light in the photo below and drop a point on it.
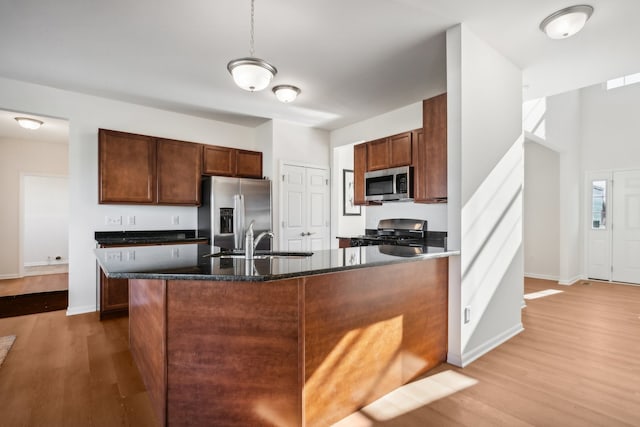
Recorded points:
(566, 22)
(286, 93)
(251, 73)
(28, 123)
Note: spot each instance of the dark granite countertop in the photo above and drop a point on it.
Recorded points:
(190, 262)
(138, 237)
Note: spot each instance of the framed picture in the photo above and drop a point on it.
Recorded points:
(347, 190)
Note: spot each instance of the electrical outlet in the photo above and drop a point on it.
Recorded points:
(131, 220)
(175, 253)
(114, 256)
(131, 255)
(112, 220)
(175, 220)
(467, 314)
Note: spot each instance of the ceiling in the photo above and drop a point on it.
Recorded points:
(353, 59)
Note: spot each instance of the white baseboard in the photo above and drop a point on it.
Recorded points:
(454, 359)
(541, 276)
(72, 311)
(473, 354)
(571, 280)
(45, 263)
(9, 276)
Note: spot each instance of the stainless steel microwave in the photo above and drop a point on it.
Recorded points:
(394, 184)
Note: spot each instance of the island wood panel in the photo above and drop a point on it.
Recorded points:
(233, 353)
(369, 331)
(147, 339)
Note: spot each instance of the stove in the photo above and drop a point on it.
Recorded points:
(400, 232)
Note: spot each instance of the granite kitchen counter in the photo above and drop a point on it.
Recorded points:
(192, 262)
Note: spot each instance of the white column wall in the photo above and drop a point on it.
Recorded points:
(563, 125)
(86, 114)
(541, 212)
(485, 131)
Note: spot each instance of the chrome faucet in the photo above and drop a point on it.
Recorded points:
(250, 244)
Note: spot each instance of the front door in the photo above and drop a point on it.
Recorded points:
(626, 227)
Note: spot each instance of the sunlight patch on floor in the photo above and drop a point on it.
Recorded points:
(408, 398)
(540, 294)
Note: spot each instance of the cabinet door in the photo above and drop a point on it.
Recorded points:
(126, 168)
(179, 166)
(435, 136)
(378, 154)
(219, 161)
(359, 168)
(114, 296)
(248, 164)
(400, 150)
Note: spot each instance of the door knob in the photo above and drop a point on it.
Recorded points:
(302, 234)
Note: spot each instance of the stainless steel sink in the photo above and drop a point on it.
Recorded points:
(261, 255)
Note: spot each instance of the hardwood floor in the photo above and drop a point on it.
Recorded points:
(576, 364)
(70, 371)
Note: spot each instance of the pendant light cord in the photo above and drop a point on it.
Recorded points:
(251, 39)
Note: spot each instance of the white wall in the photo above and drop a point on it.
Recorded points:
(610, 128)
(541, 212)
(18, 157)
(86, 114)
(486, 171)
(344, 225)
(288, 142)
(45, 219)
(563, 123)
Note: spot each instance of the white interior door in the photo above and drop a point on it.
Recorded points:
(598, 227)
(626, 227)
(305, 208)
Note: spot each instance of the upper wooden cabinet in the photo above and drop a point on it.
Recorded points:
(377, 154)
(140, 169)
(225, 161)
(400, 150)
(430, 166)
(359, 168)
(249, 164)
(389, 152)
(126, 168)
(219, 161)
(179, 166)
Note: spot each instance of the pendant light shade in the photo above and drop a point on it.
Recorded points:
(29, 123)
(566, 22)
(286, 93)
(251, 74)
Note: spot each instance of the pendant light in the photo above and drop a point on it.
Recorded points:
(286, 93)
(566, 22)
(251, 73)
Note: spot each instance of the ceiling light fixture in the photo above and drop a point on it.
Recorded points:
(251, 73)
(28, 123)
(286, 93)
(566, 22)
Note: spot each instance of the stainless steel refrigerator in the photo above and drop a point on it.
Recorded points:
(228, 207)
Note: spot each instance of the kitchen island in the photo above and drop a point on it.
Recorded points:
(299, 341)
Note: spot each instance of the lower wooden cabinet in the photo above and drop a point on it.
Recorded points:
(114, 296)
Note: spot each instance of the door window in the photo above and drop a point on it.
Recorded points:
(599, 205)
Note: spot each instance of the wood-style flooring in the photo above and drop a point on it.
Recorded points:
(34, 284)
(576, 364)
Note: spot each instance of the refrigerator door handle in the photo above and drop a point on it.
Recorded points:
(238, 221)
